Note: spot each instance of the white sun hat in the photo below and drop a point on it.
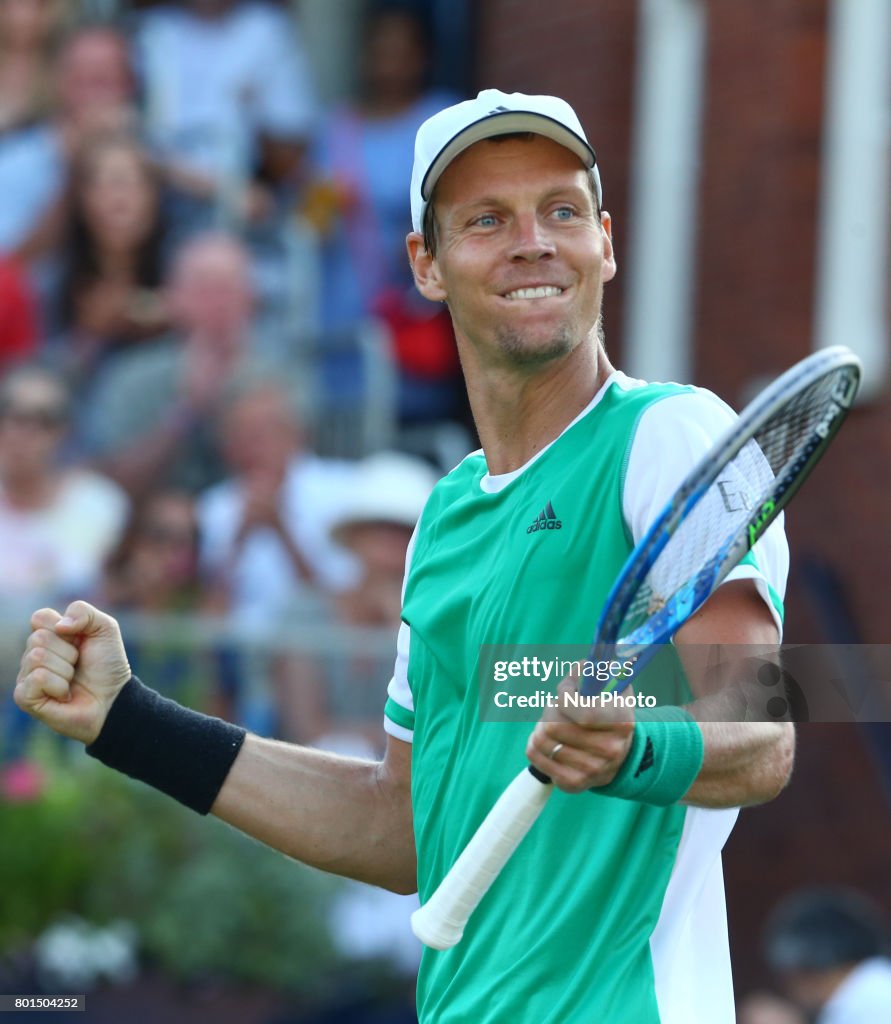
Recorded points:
(390, 487)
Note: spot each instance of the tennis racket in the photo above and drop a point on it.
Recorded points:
(688, 551)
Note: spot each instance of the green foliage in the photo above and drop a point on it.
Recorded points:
(45, 860)
(206, 900)
(247, 914)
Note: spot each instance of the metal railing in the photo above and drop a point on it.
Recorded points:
(306, 679)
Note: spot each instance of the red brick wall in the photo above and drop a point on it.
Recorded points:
(583, 52)
(830, 827)
(755, 282)
(753, 306)
(758, 196)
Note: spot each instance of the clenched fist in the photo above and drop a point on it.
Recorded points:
(73, 667)
(580, 748)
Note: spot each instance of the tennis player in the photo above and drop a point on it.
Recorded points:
(612, 910)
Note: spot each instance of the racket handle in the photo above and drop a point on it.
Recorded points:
(440, 922)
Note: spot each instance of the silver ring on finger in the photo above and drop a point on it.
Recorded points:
(557, 748)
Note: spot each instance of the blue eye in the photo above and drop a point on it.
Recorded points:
(487, 220)
(564, 213)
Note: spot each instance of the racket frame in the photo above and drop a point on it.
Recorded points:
(685, 602)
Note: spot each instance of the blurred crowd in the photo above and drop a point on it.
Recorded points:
(219, 392)
(829, 950)
(222, 400)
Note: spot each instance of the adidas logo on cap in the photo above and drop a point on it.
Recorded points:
(545, 520)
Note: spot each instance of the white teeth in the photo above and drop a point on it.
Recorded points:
(544, 292)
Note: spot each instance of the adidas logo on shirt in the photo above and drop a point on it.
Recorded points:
(546, 520)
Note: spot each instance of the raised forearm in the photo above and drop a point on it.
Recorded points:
(747, 760)
(338, 814)
(744, 763)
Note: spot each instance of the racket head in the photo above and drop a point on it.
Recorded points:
(695, 541)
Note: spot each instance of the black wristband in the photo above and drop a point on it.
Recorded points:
(181, 752)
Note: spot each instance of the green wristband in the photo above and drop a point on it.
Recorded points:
(665, 757)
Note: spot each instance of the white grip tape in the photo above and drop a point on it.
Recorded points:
(440, 922)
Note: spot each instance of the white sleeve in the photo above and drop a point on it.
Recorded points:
(400, 702)
(672, 436)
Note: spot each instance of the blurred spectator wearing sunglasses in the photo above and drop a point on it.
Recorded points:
(154, 568)
(153, 572)
(57, 523)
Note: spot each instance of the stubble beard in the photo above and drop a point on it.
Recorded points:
(521, 350)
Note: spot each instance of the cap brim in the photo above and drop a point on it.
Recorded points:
(341, 530)
(506, 123)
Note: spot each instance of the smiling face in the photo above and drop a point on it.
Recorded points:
(522, 253)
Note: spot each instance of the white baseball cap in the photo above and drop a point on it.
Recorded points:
(449, 132)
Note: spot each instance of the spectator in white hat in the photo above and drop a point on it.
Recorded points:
(376, 526)
(335, 703)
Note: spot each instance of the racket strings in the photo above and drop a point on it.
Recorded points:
(723, 514)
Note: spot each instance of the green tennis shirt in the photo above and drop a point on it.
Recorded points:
(564, 934)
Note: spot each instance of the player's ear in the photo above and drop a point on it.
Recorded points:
(609, 255)
(428, 280)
